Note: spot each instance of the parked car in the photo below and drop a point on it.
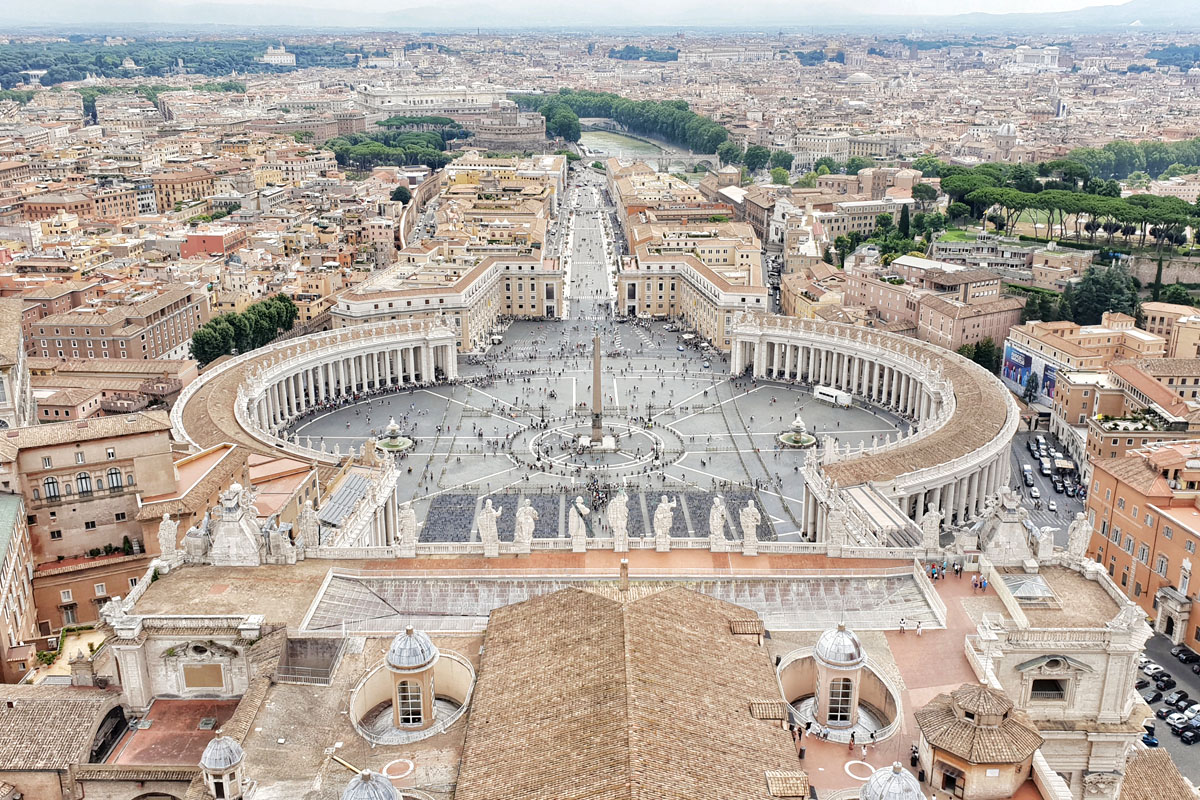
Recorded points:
(1151, 669)
(1165, 684)
(1059, 487)
(1184, 704)
(1149, 740)
(1141, 683)
(1177, 649)
(1192, 710)
(1151, 696)
(1052, 506)
(1175, 696)
(1175, 718)
(1188, 724)
(1196, 668)
(1162, 712)
(1028, 479)
(1142, 660)
(1188, 656)
(1070, 490)
(1190, 736)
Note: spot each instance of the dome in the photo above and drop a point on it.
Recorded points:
(222, 753)
(411, 650)
(859, 77)
(369, 785)
(839, 647)
(981, 700)
(889, 783)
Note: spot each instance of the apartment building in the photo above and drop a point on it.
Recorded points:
(147, 322)
(18, 617)
(81, 482)
(16, 396)
(1178, 324)
(183, 186)
(1048, 348)
(858, 215)
(1145, 528)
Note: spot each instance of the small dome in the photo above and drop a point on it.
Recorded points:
(411, 650)
(222, 753)
(889, 783)
(860, 77)
(839, 647)
(369, 785)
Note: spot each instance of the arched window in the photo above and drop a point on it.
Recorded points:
(51, 487)
(841, 695)
(84, 481)
(408, 698)
(114, 478)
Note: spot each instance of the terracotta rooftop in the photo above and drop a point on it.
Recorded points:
(582, 696)
(1010, 742)
(1152, 775)
(49, 727)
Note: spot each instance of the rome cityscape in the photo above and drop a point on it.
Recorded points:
(628, 402)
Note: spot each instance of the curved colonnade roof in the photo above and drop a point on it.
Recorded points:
(981, 412)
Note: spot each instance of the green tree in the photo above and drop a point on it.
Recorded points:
(1104, 289)
(809, 181)
(958, 211)
(401, 194)
(1177, 293)
(781, 158)
(1156, 288)
(829, 164)
(967, 351)
(1032, 387)
(883, 223)
(987, 355)
(780, 175)
(930, 166)
(207, 345)
(905, 224)
(924, 194)
(856, 164)
(729, 153)
(1066, 304)
(756, 157)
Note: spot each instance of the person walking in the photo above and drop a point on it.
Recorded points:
(851, 747)
(974, 583)
(918, 627)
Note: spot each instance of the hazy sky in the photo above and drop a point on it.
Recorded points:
(865, 6)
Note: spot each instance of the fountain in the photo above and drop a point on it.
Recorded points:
(797, 435)
(392, 441)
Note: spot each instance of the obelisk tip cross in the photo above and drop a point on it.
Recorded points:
(597, 403)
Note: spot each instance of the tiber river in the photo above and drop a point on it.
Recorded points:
(605, 144)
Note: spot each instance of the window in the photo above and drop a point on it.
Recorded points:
(1143, 554)
(68, 616)
(65, 595)
(1167, 531)
(84, 482)
(114, 478)
(841, 694)
(1121, 503)
(110, 453)
(55, 535)
(90, 525)
(408, 698)
(1048, 689)
(79, 459)
(51, 487)
(1190, 546)
(1160, 565)
(101, 590)
(46, 463)
(119, 516)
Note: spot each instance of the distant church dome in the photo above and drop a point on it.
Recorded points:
(411, 650)
(222, 753)
(839, 647)
(891, 783)
(369, 785)
(859, 78)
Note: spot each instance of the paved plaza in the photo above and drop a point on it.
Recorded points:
(509, 429)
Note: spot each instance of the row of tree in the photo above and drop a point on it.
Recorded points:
(754, 157)
(1102, 288)
(241, 333)
(633, 53)
(670, 120)
(394, 148)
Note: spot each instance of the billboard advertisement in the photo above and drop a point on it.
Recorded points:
(1016, 368)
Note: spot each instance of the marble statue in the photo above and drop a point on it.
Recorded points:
(716, 523)
(664, 517)
(1079, 533)
(526, 520)
(1045, 542)
(487, 528)
(577, 522)
(931, 529)
(168, 530)
(307, 528)
(406, 531)
(618, 520)
(749, 518)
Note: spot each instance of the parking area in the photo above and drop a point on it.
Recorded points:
(1187, 757)
(1066, 506)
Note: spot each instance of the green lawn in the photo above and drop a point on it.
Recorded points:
(957, 235)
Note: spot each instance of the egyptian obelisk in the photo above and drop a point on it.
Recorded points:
(597, 401)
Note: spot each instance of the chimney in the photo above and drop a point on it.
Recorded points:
(624, 574)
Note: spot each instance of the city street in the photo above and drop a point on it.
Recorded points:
(1067, 506)
(1187, 757)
